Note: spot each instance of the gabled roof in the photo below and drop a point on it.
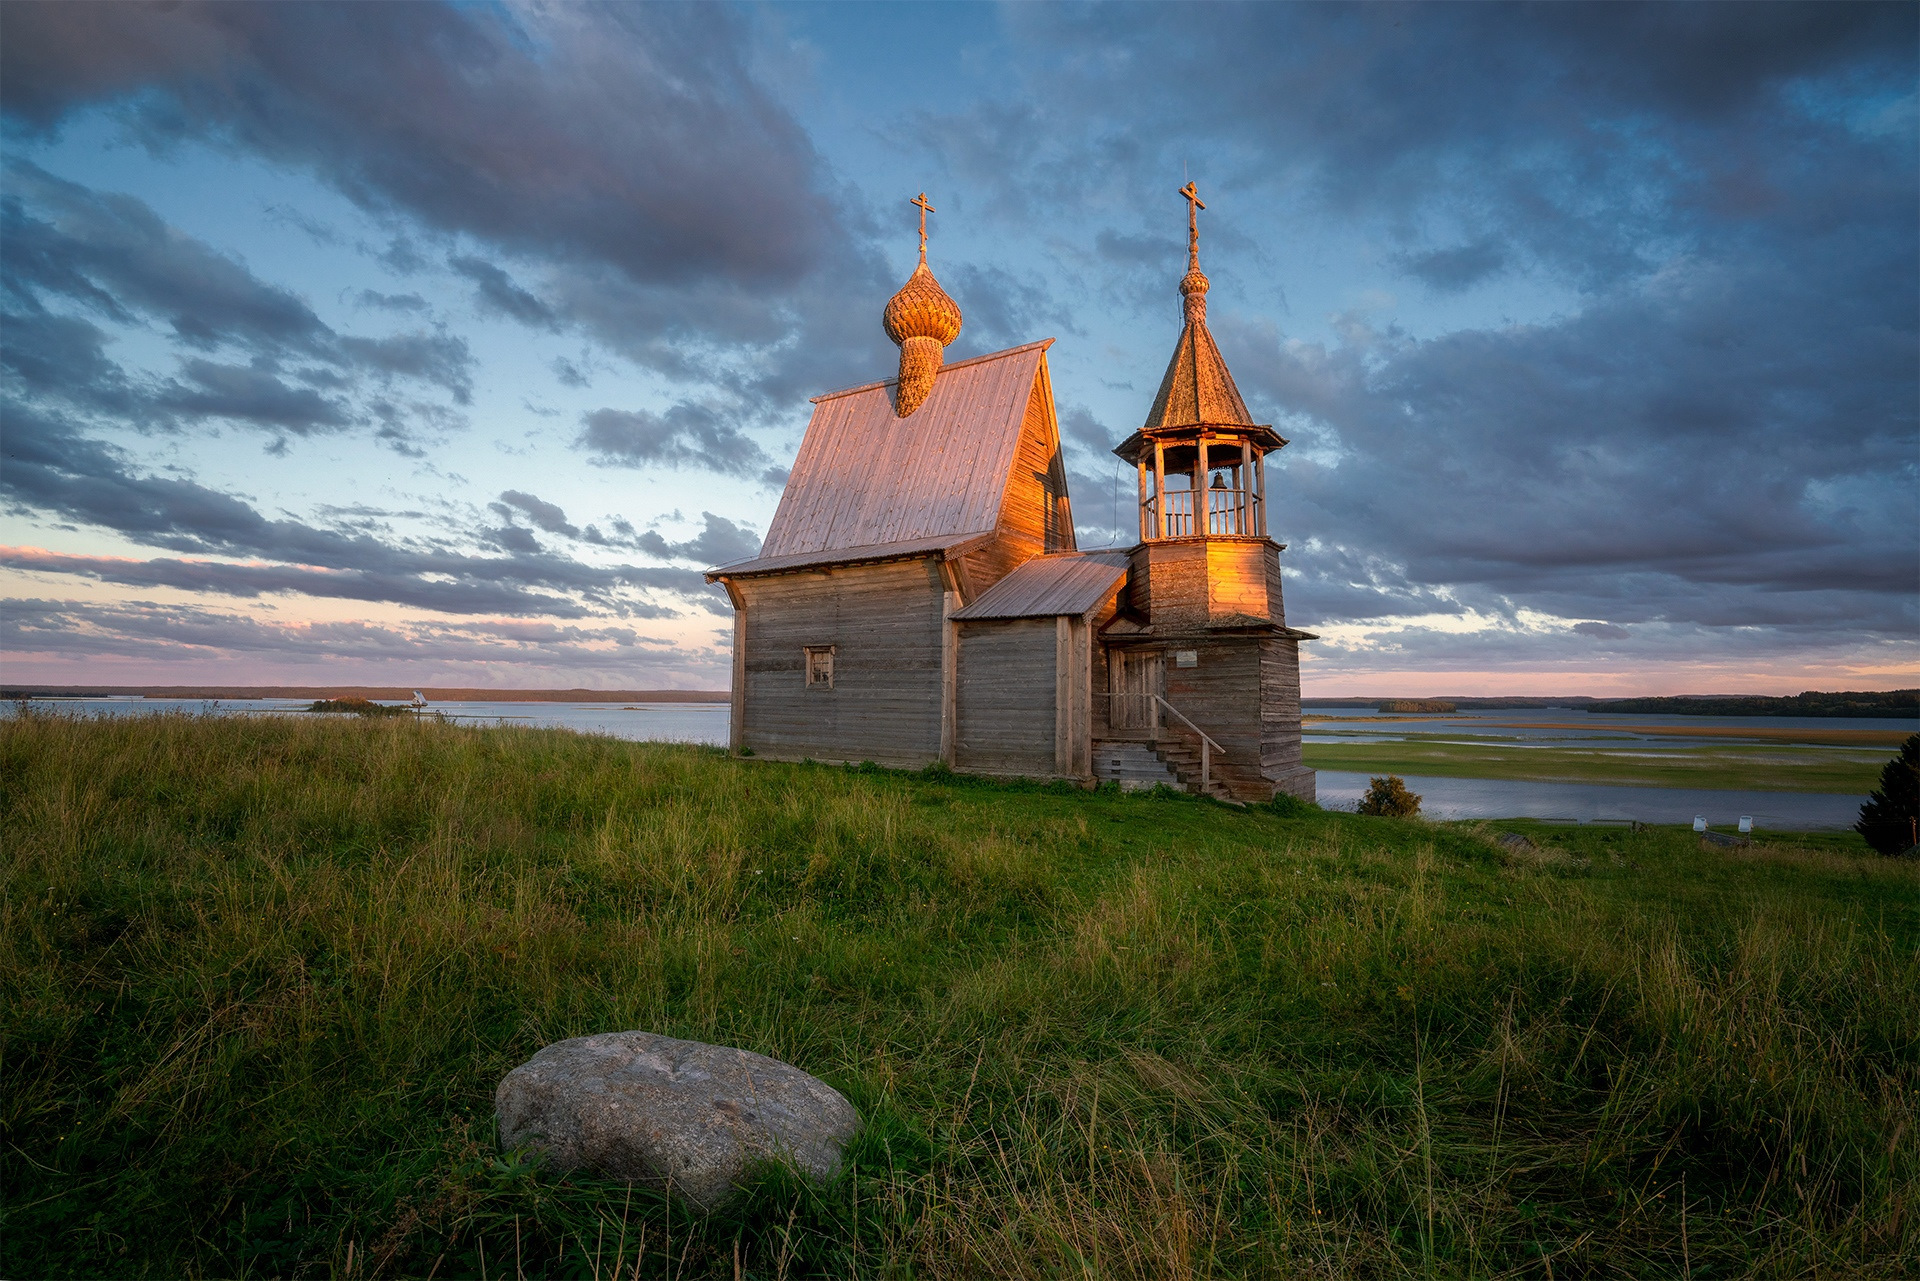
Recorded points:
(1197, 387)
(866, 480)
(1046, 586)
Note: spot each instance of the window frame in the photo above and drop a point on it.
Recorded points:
(809, 654)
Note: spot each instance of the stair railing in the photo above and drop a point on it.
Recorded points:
(1207, 745)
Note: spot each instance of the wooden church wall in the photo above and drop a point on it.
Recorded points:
(1034, 515)
(1007, 699)
(1220, 694)
(1280, 759)
(886, 624)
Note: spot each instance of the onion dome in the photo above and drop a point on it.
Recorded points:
(1193, 292)
(922, 320)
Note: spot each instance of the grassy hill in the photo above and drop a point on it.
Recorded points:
(260, 977)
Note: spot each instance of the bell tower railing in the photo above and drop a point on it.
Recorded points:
(1227, 469)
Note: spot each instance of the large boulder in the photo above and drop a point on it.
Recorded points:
(683, 1116)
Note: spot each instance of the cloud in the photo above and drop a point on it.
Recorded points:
(1605, 631)
(614, 135)
(51, 468)
(390, 302)
(68, 629)
(112, 256)
(250, 394)
(1451, 270)
(498, 293)
(544, 515)
(1718, 429)
(226, 579)
(684, 436)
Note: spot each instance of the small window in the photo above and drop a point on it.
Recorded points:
(820, 666)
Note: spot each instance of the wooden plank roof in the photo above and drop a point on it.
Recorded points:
(1062, 583)
(866, 479)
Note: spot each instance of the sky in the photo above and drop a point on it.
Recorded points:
(418, 344)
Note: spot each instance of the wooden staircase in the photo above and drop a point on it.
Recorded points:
(1183, 758)
(1133, 765)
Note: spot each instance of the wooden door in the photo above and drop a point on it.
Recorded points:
(1135, 677)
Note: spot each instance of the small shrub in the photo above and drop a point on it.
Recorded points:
(1389, 798)
(1289, 806)
(1892, 813)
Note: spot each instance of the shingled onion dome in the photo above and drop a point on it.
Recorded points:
(1193, 289)
(922, 320)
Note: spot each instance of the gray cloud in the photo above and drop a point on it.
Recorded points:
(1720, 430)
(612, 134)
(183, 633)
(544, 515)
(684, 436)
(51, 468)
(390, 302)
(250, 394)
(113, 256)
(498, 293)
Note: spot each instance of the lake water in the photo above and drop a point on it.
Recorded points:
(650, 722)
(1464, 798)
(1585, 802)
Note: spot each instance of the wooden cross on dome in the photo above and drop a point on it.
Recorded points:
(1194, 205)
(925, 209)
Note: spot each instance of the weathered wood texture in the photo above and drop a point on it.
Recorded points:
(887, 626)
(1007, 699)
(1071, 583)
(1195, 583)
(1280, 761)
(864, 477)
(1034, 514)
(1221, 694)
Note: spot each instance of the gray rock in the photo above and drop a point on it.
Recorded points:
(684, 1116)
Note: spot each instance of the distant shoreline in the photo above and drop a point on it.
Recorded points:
(392, 693)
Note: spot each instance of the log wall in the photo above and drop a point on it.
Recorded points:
(1007, 700)
(1034, 513)
(887, 625)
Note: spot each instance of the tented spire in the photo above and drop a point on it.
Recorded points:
(1197, 387)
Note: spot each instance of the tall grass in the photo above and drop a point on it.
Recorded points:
(259, 978)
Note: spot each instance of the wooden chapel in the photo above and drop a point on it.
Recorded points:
(920, 595)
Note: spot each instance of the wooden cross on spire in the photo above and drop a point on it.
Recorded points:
(925, 209)
(1194, 205)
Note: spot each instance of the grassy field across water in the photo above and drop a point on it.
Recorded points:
(1737, 766)
(261, 975)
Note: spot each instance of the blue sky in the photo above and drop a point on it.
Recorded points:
(416, 344)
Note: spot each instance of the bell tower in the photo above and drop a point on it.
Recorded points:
(1204, 608)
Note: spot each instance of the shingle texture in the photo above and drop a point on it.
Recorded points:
(1197, 387)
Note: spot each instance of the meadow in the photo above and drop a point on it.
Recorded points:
(1739, 766)
(260, 976)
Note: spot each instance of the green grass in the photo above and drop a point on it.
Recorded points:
(260, 977)
(1774, 769)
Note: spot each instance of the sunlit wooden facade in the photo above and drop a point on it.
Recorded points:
(920, 596)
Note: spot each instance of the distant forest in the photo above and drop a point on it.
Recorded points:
(1893, 702)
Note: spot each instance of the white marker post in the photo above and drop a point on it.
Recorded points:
(1699, 822)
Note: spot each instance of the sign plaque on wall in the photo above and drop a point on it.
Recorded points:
(1186, 658)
